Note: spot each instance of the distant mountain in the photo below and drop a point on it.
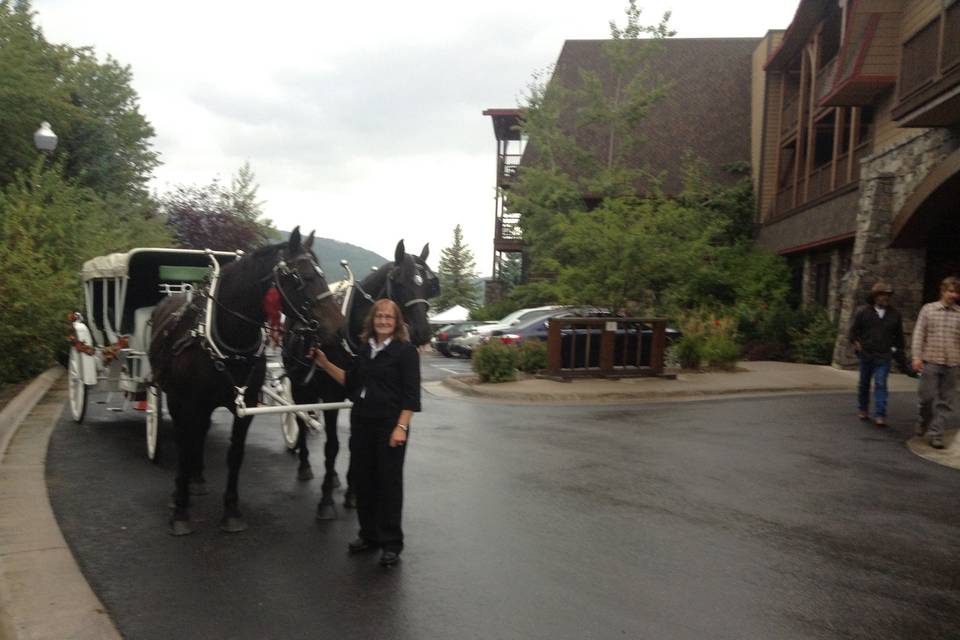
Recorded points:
(331, 252)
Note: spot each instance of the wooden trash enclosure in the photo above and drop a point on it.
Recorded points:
(606, 347)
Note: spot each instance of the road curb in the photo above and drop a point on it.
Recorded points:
(17, 410)
(43, 594)
(948, 456)
(634, 396)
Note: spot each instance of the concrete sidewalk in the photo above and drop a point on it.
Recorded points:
(750, 378)
(42, 592)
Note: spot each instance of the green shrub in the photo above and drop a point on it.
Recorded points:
(688, 351)
(532, 356)
(495, 361)
(721, 351)
(814, 343)
(707, 338)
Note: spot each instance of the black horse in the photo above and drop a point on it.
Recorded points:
(208, 350)
(410, 283)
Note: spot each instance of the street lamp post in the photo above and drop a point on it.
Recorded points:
(45, 139)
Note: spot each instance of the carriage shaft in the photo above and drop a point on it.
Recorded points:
(292, 408)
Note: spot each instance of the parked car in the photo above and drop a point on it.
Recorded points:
(466, 343)
(443, 336)
(536, 327)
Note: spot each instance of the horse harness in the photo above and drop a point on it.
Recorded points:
(215, 345)
(387, 292)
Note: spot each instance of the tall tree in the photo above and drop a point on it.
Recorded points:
(48, 227)
(91, 105)
(217, 217)
(457, 273)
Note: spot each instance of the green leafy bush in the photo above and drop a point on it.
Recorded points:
(721, 351)
(707, 339)
(688, 351)
(814, 343)
(495, 361)
(532, 356)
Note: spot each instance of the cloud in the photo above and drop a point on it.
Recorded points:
(362, 119)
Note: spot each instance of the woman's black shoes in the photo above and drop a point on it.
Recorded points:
(389, 558)
(360, 545)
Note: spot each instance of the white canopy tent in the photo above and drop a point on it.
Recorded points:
(453, 314)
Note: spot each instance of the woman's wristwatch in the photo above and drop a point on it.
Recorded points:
(403, 427)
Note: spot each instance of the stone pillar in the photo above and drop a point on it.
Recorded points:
(874, 261)
(808, 287)
(834, 296)
(887, 179)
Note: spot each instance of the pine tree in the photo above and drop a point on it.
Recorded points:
(457, 275)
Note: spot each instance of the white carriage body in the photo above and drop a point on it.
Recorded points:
(120, 291)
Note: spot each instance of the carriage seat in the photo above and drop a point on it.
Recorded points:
(140, 338)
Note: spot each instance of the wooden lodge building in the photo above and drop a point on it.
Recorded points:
(706, 111)
(857, 151)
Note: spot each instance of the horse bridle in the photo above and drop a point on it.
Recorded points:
(282, 270)
(417, 280)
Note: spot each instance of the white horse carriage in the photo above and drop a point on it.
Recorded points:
(120, 291)
(110, 341)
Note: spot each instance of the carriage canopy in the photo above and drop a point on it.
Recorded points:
(117, 285)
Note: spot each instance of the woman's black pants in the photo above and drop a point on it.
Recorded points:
(377, 479)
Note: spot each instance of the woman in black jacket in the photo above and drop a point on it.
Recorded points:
(383, 383)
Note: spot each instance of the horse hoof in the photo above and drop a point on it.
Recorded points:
(180, 528)
(326, 511)
(305, 474)
(198, 489)
(233, 524)
(350, 500)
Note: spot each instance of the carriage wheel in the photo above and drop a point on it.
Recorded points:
(288, 421)
(78, 390)
(154, 416)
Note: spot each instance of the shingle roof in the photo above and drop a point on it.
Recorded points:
(706, 111)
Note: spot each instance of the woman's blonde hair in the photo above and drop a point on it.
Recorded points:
(399, 327)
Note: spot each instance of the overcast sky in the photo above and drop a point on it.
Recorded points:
(361, 120)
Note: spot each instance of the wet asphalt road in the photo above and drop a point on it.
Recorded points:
(748, 518)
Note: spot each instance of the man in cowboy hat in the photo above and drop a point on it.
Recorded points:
(877, 335)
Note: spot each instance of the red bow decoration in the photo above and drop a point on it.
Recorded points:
(273, 307)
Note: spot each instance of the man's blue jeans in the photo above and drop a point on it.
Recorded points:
(879, 370)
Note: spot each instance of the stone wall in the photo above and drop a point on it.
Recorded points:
(887, 178)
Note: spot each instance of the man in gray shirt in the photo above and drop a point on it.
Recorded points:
(936, 355)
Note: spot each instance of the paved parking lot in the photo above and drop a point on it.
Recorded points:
(750, 518)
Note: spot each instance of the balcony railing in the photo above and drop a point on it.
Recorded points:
(918, 63)
(820, 181)
(508, 227)
(951, 38)
(788, 117)
(507, 167)
(785, 199)
(825, 78)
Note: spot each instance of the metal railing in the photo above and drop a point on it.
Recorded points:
(508, 166)
(606, 347)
